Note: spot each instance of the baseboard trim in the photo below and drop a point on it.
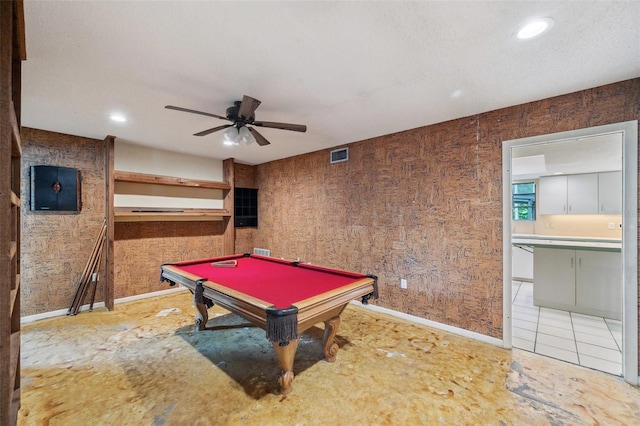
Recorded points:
(443, 327)
(62, 312)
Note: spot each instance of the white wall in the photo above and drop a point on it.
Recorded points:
(139, 159)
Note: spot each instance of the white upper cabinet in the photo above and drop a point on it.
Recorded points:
(610, 193)
(582, 194)
(553, 195)
(591, 193)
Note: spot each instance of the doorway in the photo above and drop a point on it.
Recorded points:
(629, 322)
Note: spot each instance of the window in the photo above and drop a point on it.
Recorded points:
(524, 201)
(246, 207)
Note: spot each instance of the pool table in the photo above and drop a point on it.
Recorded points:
(283, 297)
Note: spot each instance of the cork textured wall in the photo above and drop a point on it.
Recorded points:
(141, 247)
(423, 204)
(56, 247)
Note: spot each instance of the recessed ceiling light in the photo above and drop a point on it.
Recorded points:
(534, 28)
(118, 117)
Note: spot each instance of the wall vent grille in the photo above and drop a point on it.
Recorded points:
(339, 155)
(262, 252)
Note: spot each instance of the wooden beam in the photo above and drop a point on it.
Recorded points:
(229, 238)
(19, 37)
(16, 145)
(109, 285)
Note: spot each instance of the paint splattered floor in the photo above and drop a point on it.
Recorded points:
(143, 364)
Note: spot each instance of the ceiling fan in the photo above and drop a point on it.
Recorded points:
(242, 114)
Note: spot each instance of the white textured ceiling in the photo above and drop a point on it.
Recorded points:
(348, 70)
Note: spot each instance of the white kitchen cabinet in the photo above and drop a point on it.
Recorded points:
(553, 195)
(554, 277)
(522, 263)
(610, 193)
(584, 281)
(591, 193)
(599, 282)
(582, 194)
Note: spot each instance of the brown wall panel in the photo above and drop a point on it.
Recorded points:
(56, 247)
(141, 247)
(424, 205)
(245, 176)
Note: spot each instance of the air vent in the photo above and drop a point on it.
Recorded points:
(339, 155)
(262, 252)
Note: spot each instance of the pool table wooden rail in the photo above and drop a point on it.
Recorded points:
(318, 308)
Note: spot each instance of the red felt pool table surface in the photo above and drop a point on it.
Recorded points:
(275, 281)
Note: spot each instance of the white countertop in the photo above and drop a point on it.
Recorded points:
(567, 242)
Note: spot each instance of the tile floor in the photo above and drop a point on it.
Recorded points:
(593, 342)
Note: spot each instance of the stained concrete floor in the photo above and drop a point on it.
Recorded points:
(143, 364)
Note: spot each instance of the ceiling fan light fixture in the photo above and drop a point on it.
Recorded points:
(231, 136)
(246, 136)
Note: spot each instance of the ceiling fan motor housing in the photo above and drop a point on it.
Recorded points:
(232, 114)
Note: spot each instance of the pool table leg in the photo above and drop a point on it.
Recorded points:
(285, 354)
(202, 317)
(199, 301)
(329, 346)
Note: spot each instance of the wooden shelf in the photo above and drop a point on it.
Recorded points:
(15, 200)
(129, 214)
(13, 295)
(14, 356)
(132, 177)
(13, 249)
(16, 150)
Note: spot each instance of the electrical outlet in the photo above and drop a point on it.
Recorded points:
(403, 283)
(612, 225)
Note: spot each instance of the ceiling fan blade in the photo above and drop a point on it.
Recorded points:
(259, 138)
(195, 112)
(248, 106)
(285, 126)
(209, 131)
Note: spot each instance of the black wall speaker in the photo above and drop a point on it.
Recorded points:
(55, 189)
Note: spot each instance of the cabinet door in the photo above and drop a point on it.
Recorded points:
(582, 194)
(610, 193)
(522, 263)
(554, 276)
(553, 195)
(599, 282)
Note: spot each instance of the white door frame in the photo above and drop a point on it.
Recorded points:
(629, 130)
